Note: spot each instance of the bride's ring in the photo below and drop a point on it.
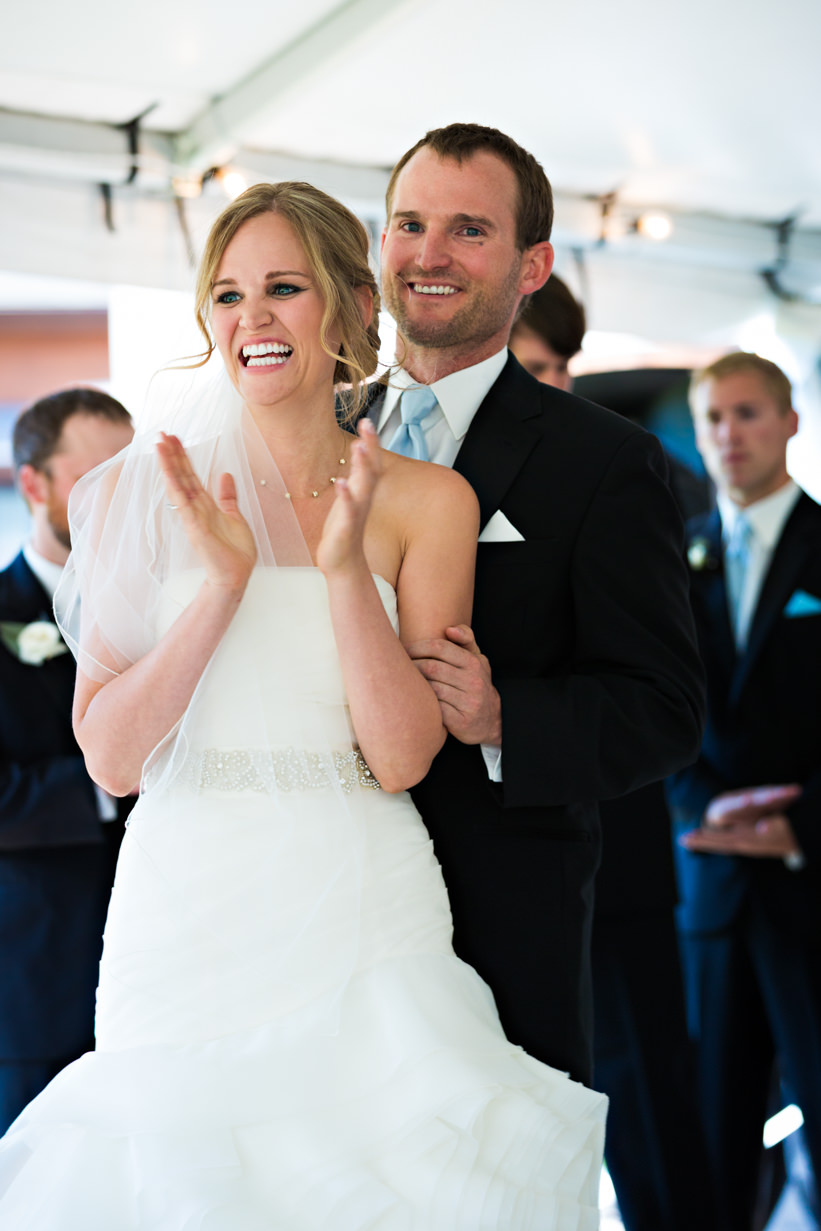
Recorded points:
(171, 506)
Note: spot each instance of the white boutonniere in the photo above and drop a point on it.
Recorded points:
(699, 555)
(33, 643)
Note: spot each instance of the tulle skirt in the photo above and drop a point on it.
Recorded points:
(283, 1049)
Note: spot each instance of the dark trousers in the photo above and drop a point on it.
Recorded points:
(754, 998)
(655, 1148)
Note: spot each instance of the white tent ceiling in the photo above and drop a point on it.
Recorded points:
(707, 109)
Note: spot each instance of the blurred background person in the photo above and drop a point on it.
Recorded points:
(642, 1056)
(59, 834)
(747, 812)
(549, 333)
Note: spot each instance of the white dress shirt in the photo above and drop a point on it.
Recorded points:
(459, 396)
(767, 519)
(46, 571)
(48, 574)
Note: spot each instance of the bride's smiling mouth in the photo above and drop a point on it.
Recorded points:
(265, 354)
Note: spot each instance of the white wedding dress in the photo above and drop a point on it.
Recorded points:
(285, 1039)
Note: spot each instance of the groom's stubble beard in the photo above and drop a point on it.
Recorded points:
(484, 315)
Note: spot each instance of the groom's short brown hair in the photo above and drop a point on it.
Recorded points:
(534, 213)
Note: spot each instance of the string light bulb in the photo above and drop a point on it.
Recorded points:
(655, 225)
(233, 182)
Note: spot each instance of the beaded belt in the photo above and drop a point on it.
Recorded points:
(287, 769)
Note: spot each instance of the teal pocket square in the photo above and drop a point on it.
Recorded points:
(802, 604)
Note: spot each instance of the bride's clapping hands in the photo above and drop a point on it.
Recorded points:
(216, 529)
(341, 546)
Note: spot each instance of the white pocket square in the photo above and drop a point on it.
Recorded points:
(500, 530)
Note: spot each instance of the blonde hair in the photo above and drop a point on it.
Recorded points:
(771, 376)
(337, 247)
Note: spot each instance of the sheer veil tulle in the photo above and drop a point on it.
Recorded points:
(130, 573)
(126, 541)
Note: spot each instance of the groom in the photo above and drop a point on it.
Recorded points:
(580, 679)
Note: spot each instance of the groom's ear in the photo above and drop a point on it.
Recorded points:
(33, 485)
(537, 262)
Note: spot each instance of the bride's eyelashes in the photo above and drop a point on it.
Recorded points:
(277, 290)
(227, 298)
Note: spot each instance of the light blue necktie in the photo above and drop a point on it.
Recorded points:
(415, 405)
(736, 559)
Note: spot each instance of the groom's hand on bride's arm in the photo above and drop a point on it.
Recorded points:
(459, 675)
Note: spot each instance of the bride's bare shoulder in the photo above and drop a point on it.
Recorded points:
(426, 485)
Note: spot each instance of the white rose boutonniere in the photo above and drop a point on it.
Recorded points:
(33, 643)
(699, 555)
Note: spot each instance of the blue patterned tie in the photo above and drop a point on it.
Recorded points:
(736, 559)
(409, 439)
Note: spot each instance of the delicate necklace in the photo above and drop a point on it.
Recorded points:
(314, 491)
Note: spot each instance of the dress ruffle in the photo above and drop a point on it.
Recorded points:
(416, 1116)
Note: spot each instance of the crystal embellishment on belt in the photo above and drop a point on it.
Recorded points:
(287, 769)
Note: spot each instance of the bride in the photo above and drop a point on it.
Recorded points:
(285, 1039)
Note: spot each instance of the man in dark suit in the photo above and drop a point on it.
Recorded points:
(748, 812)
(642, 1054)
(57, 854)
(589, 682)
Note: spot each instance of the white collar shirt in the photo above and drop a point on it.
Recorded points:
(767, 519)
(459, 396)
(46, 571)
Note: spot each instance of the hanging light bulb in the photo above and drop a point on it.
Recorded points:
(654, 224)
(233, 182)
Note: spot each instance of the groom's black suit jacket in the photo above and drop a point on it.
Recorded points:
(588, 630)
(56, 858)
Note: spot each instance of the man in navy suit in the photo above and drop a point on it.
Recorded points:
(58, 833)
(579, 679)
(748, 812)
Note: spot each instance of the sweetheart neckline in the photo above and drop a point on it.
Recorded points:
(294, 568)
(312, 568)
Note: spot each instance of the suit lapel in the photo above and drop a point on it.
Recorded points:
(30, 599)
(714, 596)
(791, 552)
(31, 602)
(504, 431)
(372, 407)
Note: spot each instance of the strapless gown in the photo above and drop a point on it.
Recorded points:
(285, 1038)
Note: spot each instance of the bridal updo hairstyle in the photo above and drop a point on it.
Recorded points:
(337, 246)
